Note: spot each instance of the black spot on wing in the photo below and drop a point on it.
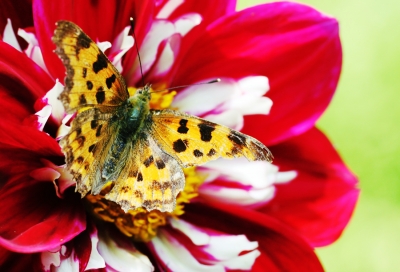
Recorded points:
(82, 99)
(197, 153)
(206, 129)
(78, 131)
(183, 129)
(82, 41)
(179, 145)
(139, 177)
(98, 131)
(84, 72)
(148, 161)
(110, 80)
(79, 159)
(237, 138)
(160, 164)
(89, 85)
(94, 124)
(91, 148)
(81, 140)
(100, 63)
(100, 95)
(211, 152)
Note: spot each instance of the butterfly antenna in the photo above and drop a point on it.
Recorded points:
(183, 86)
(137, 49)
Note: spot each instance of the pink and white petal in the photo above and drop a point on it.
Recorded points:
(224, 249)
(319, 202)
(121, 44)
(39, 119)
(96, 260)
(9, 36)
(166, 56)
(120, 255)
(51, 99)
(281, 248)
(185, 23)
(300, 89)
(34, 219)
(104, 46)
(159, 31)
(33, 50)
(209, 11)
(175, 257)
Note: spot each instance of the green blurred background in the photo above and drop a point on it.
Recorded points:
(363, 122)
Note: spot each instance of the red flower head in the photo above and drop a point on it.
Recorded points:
(279, 64)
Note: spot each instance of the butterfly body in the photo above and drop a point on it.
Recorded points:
(131, 124)
(117, 138)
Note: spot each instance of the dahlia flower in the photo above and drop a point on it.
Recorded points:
(279, 64)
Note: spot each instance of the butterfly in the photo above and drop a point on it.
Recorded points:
(117, 138)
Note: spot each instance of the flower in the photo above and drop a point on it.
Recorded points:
(232, 215)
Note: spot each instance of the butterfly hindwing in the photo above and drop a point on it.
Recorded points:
(194, 141)
(151, 179)
(91, 78)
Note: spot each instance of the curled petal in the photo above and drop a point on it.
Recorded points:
(34, 219)
(320, 200)
(22, 83)
(295, 46)
(281, 249)
(120, 255)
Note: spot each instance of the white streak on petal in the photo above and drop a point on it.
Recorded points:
(103, 46)
(9, 36)
(243, 262)
(64, 129)
(258, 174)
(252, 197)
(186, 22)
(197, 236)
(229, 118)
(168, 55)
(225, 247)
(96, 261)
(68, 265)
(177, 257)
(123, 259)
(43, 115)
(50, 258)
(285, 177)
(121, 44)
(33, 50)
(51, 98)
(201, 99)
(168, 8)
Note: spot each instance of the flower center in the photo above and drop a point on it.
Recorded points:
(141, 224)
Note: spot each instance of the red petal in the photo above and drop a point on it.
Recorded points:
(295, 46)
(209, 10)
(101, 20)
(22, 83)
(281, 249)
(34, 219)
(320, 201)
(20, 13)
(11, 261)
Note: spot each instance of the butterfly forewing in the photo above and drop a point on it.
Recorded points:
(194, 141)
(91, 79)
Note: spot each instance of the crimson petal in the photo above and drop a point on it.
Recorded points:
(281, 249)
(34, 219)
(102, 20)
(295, 46)
(321, 199)
(22, 82)
(12, 261)
(20, 14)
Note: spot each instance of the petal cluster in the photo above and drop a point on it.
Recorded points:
(279, 64)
